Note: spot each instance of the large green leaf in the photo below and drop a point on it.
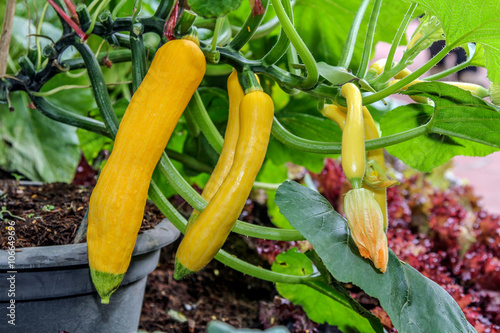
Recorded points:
(213, 8)
(471, 21)
(462, 125)
(324, 26)
(36, 146)
(337, 310)
(413, 302)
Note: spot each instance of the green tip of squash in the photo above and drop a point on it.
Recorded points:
(105, 283)
(180, 271)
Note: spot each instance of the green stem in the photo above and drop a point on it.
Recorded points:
(248, 29)
(195, 200)
(99, 88)
(102, 4)
(188, 161)
(206, 125)
(218, 26)
(179, 184)
(139, 64)
(261, 273)
(368, 43)
(115, 56)
(192, 126)
(164, 9)
(346, 56)
(310, 146)
(312, 70)
(266, 186)
(399, 34)
(114, 13)
(283, 43)
(264, 29)
(137, 11)
(218, 70)
(408, 79)
(53, 112)
(327, 290)
(39, 32)
(180, 223)
(449, 71)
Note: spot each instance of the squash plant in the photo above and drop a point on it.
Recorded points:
(307, 54)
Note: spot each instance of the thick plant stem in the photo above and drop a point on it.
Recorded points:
(399, 34)
(248, 29)
(370, 33)
(164, 8)
(312, 70)
(408, 79)
(282, 45)
(449, 71)
(346, 56)
(206, 125)
(139, 65)
(69, 118)
(310, 146)
(99, 88)
(218, 27)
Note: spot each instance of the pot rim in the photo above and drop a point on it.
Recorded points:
(41, 257)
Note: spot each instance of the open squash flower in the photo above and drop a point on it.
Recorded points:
(366, 223)
(376, 178)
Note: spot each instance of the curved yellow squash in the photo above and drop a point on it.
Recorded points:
(225, 161)
(117, 202)
(208, 233)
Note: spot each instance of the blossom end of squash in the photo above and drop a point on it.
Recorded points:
(180, 270)
(105, 283)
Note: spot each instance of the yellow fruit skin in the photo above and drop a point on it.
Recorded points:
(377, 155)
(334, 113)
(117, 202)
(208, 233)
(353, 137)
(225, 161)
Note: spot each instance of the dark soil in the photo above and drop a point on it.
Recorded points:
(51, 214)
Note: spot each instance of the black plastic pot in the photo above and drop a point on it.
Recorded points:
(54, 292)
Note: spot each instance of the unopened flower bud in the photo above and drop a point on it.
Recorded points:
(366, 223)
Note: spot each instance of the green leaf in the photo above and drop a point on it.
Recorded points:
(309, 127)
(91, 143)
(336, 309)
(471, 21)
(213, 8)
(301, 117)
(413, 302)
(477, 54)
(462, 125)
(78, 101)
(36, 146)
(272, 173)
(334, 74)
